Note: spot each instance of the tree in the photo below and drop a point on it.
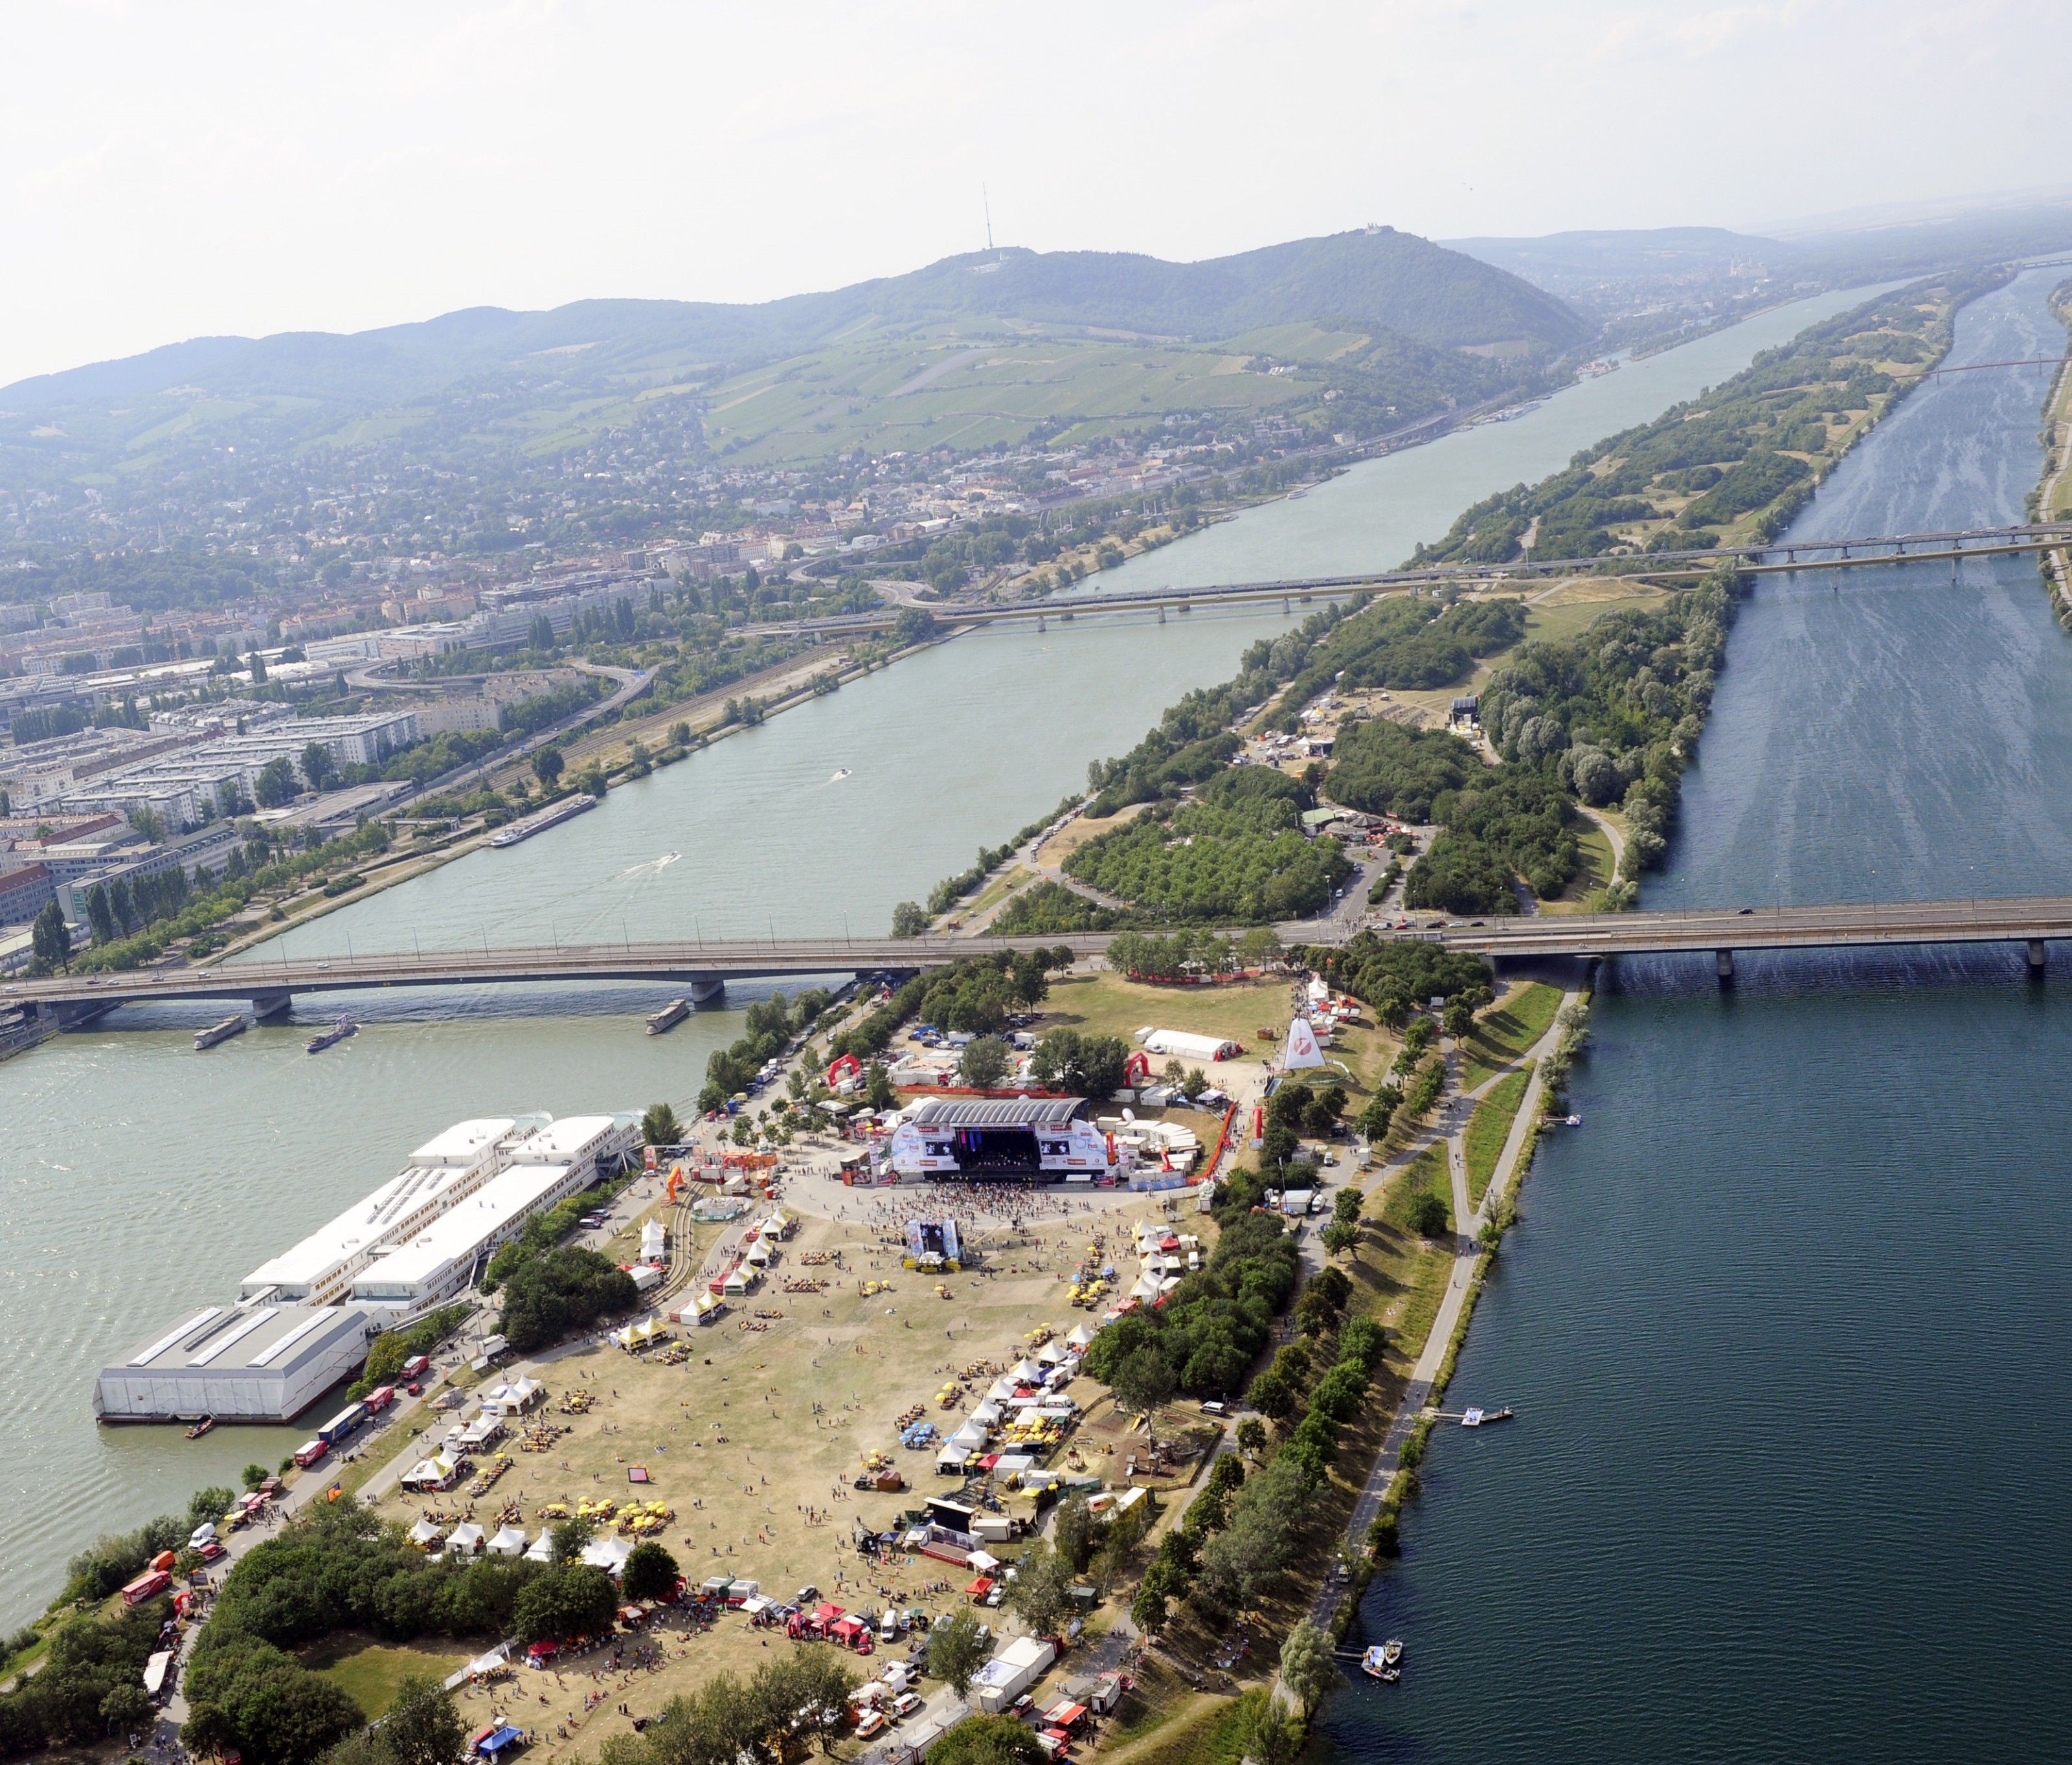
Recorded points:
(208, 1733)
(1073, 1532)
(547, 766)
(878, 1089)
(49, 939)
(99, 916)
(570, 1600)
(570, 1536)
(1306, 1667)
(1339, 1237)
(984, 1063)
(660, 1127)
(1093, 1066)
(319, 767)
(1040, 1594)
(1258, 945)
(1141, 1383)
(212, 1503)
(422, 1727)
(988, 1740)
(956, 1651)
(253, 1476)
(910, 920)
(275, 785)
(1252, 1436)
(1380, 1110)
(127, 1707)
(1429, 1216)
(651, 1572)
(811, 1687)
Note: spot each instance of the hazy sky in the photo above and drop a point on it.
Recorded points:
(178, 167)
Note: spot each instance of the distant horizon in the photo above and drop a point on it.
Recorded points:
(213, 169)
(1867, 219)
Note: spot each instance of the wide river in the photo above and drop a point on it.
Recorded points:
(145, 1177)
(1785, 1321)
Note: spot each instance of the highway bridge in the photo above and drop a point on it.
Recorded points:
(1949, 545)
(703, 968)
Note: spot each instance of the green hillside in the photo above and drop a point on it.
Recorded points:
(1003, 343)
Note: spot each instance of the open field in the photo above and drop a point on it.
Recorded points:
(373, 1672)
(754, 1439)
(1487, 1129)
(1504, 1031)
(1598, 872)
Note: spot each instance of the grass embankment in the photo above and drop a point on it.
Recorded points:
(372, 1672)
(1488, 1128)
(1599, 871)
(1506, 1032)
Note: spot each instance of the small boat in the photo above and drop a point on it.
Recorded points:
(840, 773)
(669, 1016)
(1383, 1661)
(201, 1427)
(221, 1032)
(331, 1039)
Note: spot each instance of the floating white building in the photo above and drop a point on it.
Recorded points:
(442, 1172)
(261, 1363)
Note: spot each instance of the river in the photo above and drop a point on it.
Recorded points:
(145, 1178)
(1785, 1320)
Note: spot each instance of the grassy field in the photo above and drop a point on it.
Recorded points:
(1504, 1032)
(755, 1438)
(1598, 872)
(372, 1672)
(1487, 1129)
(1427, 1172)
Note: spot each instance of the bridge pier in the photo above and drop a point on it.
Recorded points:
(1040, 626)
(1161, 612)
(2035, 958)
(712, 990)
(270, 1004)
(1285, 608)
(1723, 961)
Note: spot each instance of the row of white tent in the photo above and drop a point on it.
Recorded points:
(469, 1540)
(1055, 1364)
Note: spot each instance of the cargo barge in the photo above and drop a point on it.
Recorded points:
(669, 1016)
(221, 1032)
(567, 809)
(331, 1039)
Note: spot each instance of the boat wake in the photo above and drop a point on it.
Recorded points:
(653, 866)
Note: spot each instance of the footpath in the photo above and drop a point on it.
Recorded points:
(1468, 1255)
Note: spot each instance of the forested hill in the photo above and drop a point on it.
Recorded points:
(1384, 278)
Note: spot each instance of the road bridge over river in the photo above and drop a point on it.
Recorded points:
(704, 968)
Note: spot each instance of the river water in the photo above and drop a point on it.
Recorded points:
(140, 1177)
(1785, 1321)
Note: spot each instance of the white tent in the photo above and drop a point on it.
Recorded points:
(951, 1459)
(1002, 1390)
(466, 1539)
(971, 1437)
(987, 1415)
(1185, 1045)
(1081, 1337)
(541, 1550)
(608, 1554)
(1026, 1372)
(424, 1534)
(509, 1541)
(1051, 1353)
(984, 1561)
(1300, 1049)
